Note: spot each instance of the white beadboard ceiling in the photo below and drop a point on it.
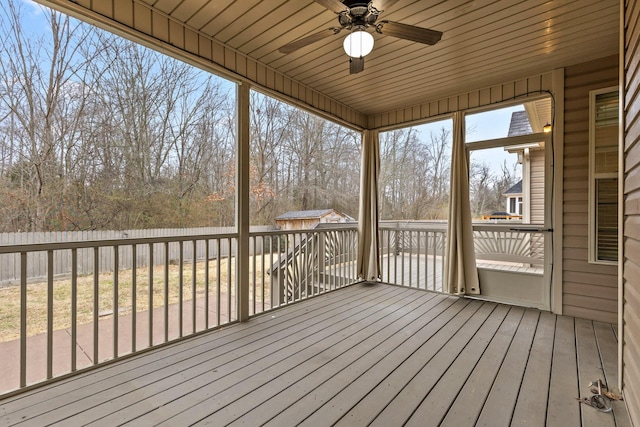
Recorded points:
(485, 42)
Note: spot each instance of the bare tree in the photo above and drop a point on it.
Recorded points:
(405, 153)
(43, 94)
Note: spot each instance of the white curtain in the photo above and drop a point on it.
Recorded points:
(368, 241)
(461, 273)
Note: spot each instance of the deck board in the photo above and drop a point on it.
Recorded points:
(531, 408)
(403, 385)
(184, 396)
(563, 385)
(468, 404)
(363, 355)
(589, 369)
(441, 388)
(426, 326)
(498, 408)
(607, 346)
(283, 390)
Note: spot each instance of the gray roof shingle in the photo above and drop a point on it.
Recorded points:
(519, 124)
(515, 188)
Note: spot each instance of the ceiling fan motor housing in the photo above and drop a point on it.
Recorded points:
(359, 14)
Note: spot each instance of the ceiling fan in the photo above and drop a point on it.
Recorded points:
(357, 16)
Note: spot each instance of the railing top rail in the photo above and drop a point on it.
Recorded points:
(526, 228)
(128, 241)
(52, 246)
(413, 228)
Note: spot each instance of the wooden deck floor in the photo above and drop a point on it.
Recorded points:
(365, 355)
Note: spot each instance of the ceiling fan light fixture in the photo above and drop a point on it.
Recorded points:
(358, 44)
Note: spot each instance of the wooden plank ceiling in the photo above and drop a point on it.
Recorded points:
(485, 42)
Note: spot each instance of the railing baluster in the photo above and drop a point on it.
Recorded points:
(437, 238)
(334, 260)
(388, 233)
(314, 264)
(271, 268)
(23, 319)
(410, 232)
(339, 259)
(206, 284)
(96, 302)
(218, 285)
(318, 280)
(426, 260)
(166, 291)
(396, 252)
(418, 259)
(285, 290)
(330, 258)
(262, 256)
(74, 307)
(180, 287)
(402, 260)
(354, 255)
(194, 266)
(254, 274)
(49, 314)
(151, 265)
(305, 267)
(229, 290)
(134, 295)
(343, 273)
(116, 253)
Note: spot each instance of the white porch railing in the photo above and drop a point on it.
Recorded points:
(155, 290)
(63, 323)
(66, 323)
(300, 264)
(510, 247)
(413, 254)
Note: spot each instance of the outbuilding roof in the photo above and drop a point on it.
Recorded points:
(309, 214)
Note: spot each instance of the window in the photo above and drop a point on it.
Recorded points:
(520, 202)
(507, 160)
(603, 175)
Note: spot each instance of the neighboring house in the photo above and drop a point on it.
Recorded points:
(300, 220)
(526, 198)
(514, 199)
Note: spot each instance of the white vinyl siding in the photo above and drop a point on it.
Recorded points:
(536, 159)
(589, 290)
(630, 324)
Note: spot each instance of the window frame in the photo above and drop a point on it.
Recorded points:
(595, 177)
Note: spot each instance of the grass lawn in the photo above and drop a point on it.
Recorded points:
(37, 294)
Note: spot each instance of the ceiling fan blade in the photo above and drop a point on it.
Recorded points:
(356, 65)
(333, 5)
(382, 5)
(305, 41)
(409, 32)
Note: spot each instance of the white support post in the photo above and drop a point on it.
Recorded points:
(556, 210)
(242, 203)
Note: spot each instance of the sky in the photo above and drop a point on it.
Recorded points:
(488, 125)
(35, 18)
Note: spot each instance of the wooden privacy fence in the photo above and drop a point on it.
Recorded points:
(37, 261)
